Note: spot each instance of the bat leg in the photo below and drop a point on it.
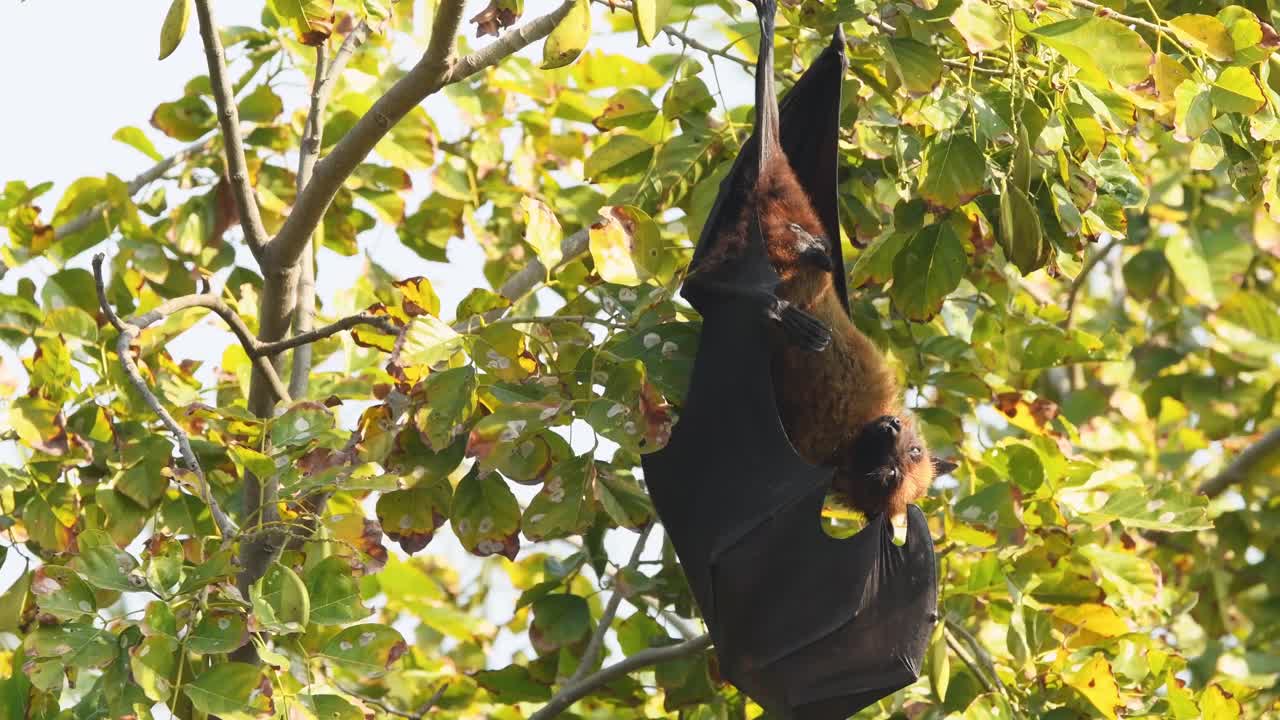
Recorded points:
(802, 329)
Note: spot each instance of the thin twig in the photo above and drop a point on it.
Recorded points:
(883, 26)
(229, 120)
(304, 307)
(570, 694)
(129, 331)
(155, 172)
(261, 349)
(388, 709)
(677, 34)
(596, 643)
(1083, 276)
(1242, 466)
(474, 323)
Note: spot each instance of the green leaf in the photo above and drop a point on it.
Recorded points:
(411, 517)
(301, 424)
(981, 26)
(623, 500)
(626, 245)
(108, 568)
(559, 620)
(567, 41)
(926, 270)
(917, 65)
(367, 650)
(262, 105)
(154, 662)
(1186, 255)
(875, 262)
(234, 691)
(629, 108)
(1205, 33)
(1106, 51)
(312, 20)
(645, 14)
(428, 341)
(186, 119)
(60, 592)
(954, 172)
(486, 515)
(74, 645)
(136, 139)
(564, 506)
(453, 399)
(621, 156)
(1237, 91)
(1165, 509)
(334, 590)
(174, 27)
(542, 232)
(513, 684)
(280, 601)
(1193, 109)
(1020, 235)
(219, 631)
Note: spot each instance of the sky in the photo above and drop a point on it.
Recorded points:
(78, 71)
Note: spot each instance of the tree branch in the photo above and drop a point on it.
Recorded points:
(214, 304)
(596, 643)
(571, 693)
(261, 349)
(304, 306)
(155, 172)
(1244, 465)
(432, 72)
(229, 120)
(509, 43)
(129, 331)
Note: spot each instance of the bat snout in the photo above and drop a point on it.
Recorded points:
(889, 425)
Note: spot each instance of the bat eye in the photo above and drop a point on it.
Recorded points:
(795, 228)
(916, 452)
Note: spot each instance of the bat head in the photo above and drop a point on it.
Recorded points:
(888, 466)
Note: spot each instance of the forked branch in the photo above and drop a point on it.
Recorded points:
(129, 331)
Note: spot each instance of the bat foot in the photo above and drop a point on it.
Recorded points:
(803, 330)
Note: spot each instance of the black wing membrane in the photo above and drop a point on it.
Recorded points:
(811, 627)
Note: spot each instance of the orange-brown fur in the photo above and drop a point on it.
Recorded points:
(826, 398)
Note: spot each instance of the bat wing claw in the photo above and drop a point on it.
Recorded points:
(803, 330)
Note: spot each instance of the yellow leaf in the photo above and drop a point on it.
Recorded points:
(1095, 681)
(1097, 619)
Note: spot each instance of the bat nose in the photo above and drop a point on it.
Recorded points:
(891, 424)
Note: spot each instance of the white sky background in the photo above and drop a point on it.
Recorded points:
(77, 71)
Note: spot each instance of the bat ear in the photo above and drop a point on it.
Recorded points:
(942, 467)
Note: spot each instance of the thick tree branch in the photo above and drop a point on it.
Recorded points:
(431, 73)
(304, 307)
(1243, 466)
(596, 643)
(229, 120)
(155, 172)
(129, 331)
(572, 693)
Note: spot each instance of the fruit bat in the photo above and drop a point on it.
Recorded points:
(809, 626)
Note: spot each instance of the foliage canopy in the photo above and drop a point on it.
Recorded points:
(1067, 231)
